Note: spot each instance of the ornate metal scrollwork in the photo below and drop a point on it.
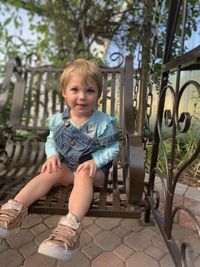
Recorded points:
(171, 116)
(180, 123)
(31, 59)
(117, 57)
(185, 246)
(185, 117)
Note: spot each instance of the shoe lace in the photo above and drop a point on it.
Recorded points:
(64, 234)
(8, 216)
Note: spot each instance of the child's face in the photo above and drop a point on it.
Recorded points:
(80, 97)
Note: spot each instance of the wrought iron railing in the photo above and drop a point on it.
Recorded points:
(179, 123)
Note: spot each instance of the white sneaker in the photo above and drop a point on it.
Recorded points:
(11, 215)
(63, 243)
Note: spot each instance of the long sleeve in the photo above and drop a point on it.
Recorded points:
(105, 155)
(50, 146)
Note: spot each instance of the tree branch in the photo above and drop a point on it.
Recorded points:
(29, 6)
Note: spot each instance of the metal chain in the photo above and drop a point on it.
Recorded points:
(152, 75)
(137, 79)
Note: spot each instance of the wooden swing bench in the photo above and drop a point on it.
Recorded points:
(34, 95)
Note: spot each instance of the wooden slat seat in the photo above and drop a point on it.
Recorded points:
(35, 98)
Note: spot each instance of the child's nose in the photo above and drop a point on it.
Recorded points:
(82, 95)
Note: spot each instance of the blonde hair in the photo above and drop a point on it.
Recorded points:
(86, 69)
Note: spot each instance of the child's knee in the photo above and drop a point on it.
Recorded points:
(82, 175)
(83, 172)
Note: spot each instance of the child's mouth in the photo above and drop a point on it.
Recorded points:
(82, 105)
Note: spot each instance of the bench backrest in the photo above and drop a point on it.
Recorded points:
(36, 96)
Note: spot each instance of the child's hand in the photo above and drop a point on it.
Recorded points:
(89, 164)
(51, 164)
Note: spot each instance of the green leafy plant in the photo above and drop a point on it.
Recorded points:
(185, 146)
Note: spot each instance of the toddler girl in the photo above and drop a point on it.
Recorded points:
(80, 148)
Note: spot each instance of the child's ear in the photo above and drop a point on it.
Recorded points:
(63, 92)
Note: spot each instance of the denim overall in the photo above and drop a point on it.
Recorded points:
(75, 147)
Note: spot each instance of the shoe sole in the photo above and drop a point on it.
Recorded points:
(57, 253)
(5, 233)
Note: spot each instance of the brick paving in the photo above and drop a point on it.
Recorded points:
(184, 196)
(105, 242)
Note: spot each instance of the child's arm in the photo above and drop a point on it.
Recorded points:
(50, 146)
(53, 161)
(107, 154)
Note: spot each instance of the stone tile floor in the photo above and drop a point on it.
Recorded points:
(105, 242)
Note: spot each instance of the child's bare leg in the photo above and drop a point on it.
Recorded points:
(82, 192)
(41, 184)
(64, 241)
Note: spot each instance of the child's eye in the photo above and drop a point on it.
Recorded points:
(74, 89)
(91, 90)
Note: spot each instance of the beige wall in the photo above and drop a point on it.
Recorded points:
(190, 100)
